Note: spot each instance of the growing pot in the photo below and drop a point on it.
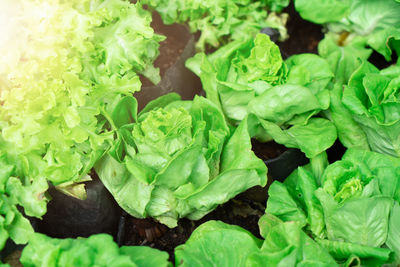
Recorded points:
(175, 77)
(71, 217)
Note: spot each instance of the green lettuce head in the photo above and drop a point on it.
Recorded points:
(249, 78)
(67, 61)
(373, 99)
(178, 159)
(352, 210)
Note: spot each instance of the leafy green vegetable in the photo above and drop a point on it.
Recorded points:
(250, 78)
(286, 244)
(343, 60)
(215, 243)
(373, 99)
(97, 250)
(15, 192)
(359, 16)
(222, 20)
(351, 210)
(67, 64)
(80, 55)
(179, 159)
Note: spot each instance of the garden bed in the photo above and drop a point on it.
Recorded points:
(215, 137)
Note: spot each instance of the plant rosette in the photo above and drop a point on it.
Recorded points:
(352, 210)
(177, 159)
(282, 100)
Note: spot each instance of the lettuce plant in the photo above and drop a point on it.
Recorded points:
(356, 16)
(97, 250)
(69, 62)
(373, 99)
(222, 20)
(249, 79)
(64, 63)
(215, 243)
(177, 159)
(352, 210)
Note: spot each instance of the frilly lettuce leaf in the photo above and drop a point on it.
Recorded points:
(219, 21)
(16, 191)
(97, 250)
(67, 64)
(179, 159)
(63, 67)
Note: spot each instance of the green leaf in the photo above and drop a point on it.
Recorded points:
(349, 132)
(393, 239)
(125, 111)
(385, 41)
(310, 71)
(219, 22)
(323, 12)
(312, 139)
(280, 103)
(287, 245)
(146, 257)
(367, 219)
(343, 59)
(215, 243)
(373, 102)
(344, 250)
(96, 250)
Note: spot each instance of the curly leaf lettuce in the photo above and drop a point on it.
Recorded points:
(97, 250)
(15, 192)
(359, 16)
(351, 210)
(62, 68)
(221, 20)
(179, 159)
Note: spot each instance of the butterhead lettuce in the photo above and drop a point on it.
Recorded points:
(352, 210)
(179, 159)
(249, 78)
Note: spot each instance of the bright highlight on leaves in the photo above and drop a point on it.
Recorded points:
(63, 64)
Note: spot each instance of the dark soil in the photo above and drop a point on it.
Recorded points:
(150, 233)
(171, 48)
(267, 151)
(304, 36)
